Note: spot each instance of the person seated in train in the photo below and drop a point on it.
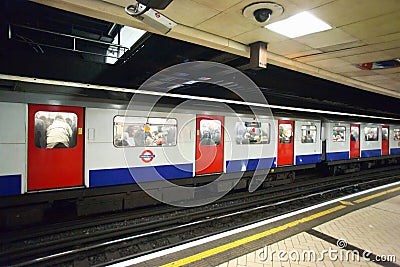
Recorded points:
(129, 135)
(246, 138)
(127, 140)
(337, 138)
(308, 139)
(151, 140)
(121, 140)
(59, 133)
(160, 140)
(256, 139)
(370, 136)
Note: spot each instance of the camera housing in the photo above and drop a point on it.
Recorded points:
(262, 15)
(261, 12)
(150, 17)
(157, 4)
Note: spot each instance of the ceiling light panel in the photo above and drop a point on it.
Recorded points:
(299, 25)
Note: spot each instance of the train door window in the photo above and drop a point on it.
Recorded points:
(285, 133)
(339, 133)
(55, 129)
(308, 134)
(252, 133)
(385, 134)
(141, 131)
(210, 132)
(371, 133)
(396, 133)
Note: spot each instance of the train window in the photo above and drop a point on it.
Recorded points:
(396, 133)
(339, 134)
(141, 131)
(371, 133)
(285, 133)
(355, 133)
(385, 134)
(55, 129)
(252, 133)
(210, 132)
(308, 134)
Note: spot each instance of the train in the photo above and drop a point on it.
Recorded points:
(89, 168)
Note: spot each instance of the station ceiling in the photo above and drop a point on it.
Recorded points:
(363, 31)
(317, 69)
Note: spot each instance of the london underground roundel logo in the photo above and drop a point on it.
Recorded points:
(147, 156)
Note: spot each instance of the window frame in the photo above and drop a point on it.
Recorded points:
(395, 131)
(201, 134)
(377, 133)
(268, 141)
(316, 132)
(345, 132)
(388, 133)
(74, 136)
(292, 129)
(146, 119)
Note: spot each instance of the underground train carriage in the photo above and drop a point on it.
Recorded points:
(61, 165)
(58, 151)
(351, 146)
(183, 147)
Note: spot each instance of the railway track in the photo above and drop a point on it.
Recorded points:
(109, 239)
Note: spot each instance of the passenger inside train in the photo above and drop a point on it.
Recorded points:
(55, 130)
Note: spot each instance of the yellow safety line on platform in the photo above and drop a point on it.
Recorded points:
(377, 195)
(347, 203)
(248, 239)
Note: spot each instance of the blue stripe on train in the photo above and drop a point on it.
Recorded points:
(337, 155)
(10, 185)
(249, 164)
(140, 174)
(394, 151)
(308, 159)
(371, 153)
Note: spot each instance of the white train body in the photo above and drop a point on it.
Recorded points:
(249, 144)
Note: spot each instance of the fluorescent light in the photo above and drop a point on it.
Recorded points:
(298, 25)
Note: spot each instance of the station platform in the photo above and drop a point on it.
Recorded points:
(362, 229)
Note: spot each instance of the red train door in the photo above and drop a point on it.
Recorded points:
(209, 144)
(55, 146)
(285, 142)
(385, 140)
(354, 140)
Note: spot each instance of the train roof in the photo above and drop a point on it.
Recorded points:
(35, 90)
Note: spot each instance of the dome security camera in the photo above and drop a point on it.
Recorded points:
(262, 15)
(261, 12)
